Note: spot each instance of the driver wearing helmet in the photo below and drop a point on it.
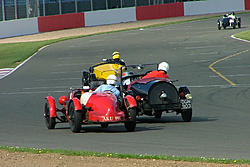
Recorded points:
(116, 57)
(109, 86)
(163, 68)
(231, 15)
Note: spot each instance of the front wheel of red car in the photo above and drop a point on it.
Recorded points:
(131, 123)
(50, 122)
(186, 115)
(75, 119)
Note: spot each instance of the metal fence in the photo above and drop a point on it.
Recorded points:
(17, 9)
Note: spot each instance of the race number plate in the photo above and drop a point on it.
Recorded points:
(186, 104)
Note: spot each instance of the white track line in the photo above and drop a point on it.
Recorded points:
(232, 36)
(24, 62)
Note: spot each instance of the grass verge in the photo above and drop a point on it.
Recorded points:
(243, 35)
(124, 156)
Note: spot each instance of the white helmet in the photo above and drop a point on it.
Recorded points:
(111, 79)
(163, 66)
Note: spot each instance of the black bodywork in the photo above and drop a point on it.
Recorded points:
(157, 95)
(225, 22)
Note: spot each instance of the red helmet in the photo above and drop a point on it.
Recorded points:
(62, 100)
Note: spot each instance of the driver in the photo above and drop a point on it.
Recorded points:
(231, 15)
(109, 86)
(116, 57)
(162, 71)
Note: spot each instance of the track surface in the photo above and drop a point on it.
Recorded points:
(221, 112)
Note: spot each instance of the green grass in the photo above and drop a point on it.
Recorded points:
(243, 35)
(124, 156)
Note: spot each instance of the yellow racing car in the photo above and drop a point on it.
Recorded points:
(98, 73)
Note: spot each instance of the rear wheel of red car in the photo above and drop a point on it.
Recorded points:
(75, 119)
(49, 121)
(131, 124)
(186, 115)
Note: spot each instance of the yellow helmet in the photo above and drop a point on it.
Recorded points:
(116, 55)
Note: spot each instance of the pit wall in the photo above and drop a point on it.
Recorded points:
(247, 4)
(18, 27)
(213, 6)
(113, 16)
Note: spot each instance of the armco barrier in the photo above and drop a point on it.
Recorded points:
(59, 22)
(110, 16)
(247, 4)
(160, 11)
(18, 27)
(212, 6)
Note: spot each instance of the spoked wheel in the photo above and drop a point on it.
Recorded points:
(104, 125)
(131, 124)
(186, 115)
(75, 119)
(50, 122)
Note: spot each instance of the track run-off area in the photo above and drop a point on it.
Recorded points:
(212, 64)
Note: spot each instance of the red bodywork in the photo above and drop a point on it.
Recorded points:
(52, 106)
(101, 107)
(105, 108)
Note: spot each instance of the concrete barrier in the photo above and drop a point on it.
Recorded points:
(159, 11)
(212, 6)
(247, 4)
(59, 22)
(18, 27)
(112, 16)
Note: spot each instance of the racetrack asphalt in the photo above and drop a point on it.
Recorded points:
(221, 115)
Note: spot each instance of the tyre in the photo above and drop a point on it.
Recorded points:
(75, 119)
(131, 124)
(234, 25)
(158, 114)
(50, 122)
(219, 24)
(186, 115)
(104, 125)
(239, 25)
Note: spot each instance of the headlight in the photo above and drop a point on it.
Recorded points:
(189, 96)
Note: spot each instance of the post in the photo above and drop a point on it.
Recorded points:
(3, 10)
(38, 8)
(76, 7)
(44, 11)
(27, 9)
(15, 3)
(60, 6)
(91, 5)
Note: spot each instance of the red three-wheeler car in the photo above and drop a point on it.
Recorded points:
(83, 106)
